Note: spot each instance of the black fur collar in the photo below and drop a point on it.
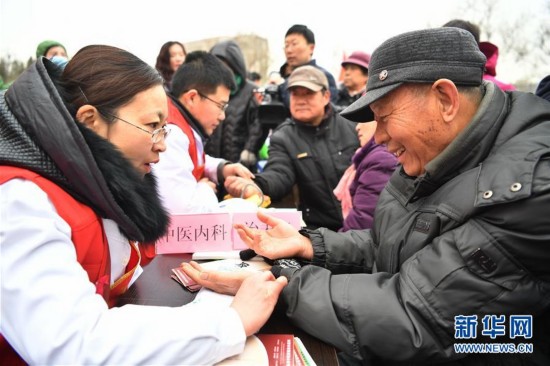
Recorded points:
(137, 197)
(38, 133)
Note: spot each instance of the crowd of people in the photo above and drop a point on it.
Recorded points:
(423, 182)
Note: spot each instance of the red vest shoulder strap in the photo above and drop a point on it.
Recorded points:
(176, 118)
(86, 227)
(87, 234)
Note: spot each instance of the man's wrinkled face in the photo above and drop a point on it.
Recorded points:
(410, 125)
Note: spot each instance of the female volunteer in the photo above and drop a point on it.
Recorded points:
(76, 195)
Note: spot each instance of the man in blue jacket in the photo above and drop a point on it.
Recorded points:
(299, 47)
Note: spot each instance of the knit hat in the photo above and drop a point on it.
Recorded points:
(44, 46)
(358, 58)
(419, 57)
(309, 77)
(491, 53)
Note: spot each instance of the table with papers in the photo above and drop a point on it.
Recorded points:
(155, 287)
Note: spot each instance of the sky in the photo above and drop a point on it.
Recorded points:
(141, 27)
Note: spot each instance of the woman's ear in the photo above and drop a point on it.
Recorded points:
(87, 115)
(448, 99)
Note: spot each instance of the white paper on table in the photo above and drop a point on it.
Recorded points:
(207, 297)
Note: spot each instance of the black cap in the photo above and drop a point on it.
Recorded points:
(419, 57)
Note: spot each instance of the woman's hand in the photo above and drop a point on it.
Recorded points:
(281, 241)
(255, 300)
(219, 281)
(256, 293)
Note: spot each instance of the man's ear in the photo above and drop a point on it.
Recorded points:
(189, 98)
(326, 97)
(311, 48)
(87, 115)
(448, 98)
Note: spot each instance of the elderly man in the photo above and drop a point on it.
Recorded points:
(459, 249)
(312, 149)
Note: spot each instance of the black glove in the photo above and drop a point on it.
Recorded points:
(248, 254)
(279, 267)
(285, 267)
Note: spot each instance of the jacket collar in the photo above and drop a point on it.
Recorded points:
(195, 125)
(325, 124)
(363, 151)
(469, 148)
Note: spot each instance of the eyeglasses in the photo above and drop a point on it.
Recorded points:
(157, 135)
(221, 106)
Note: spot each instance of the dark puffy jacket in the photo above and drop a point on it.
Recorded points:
(470, 237)
(344, 99)
(241, 129)
(543, 89)
(315, 159)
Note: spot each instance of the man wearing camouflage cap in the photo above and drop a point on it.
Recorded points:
(459, 249)
(312, 149)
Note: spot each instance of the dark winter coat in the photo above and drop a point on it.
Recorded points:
(314, 158)
(241, 129)
(543, 89)
(344, 99)
(469, 237)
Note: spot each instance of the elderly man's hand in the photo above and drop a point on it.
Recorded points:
(235, 186)
(237, 169)
(281, 241)
(223, 282)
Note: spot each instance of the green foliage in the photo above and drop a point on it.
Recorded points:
(10, 69)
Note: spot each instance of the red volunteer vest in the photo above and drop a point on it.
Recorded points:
(175, 117)
(90, 241)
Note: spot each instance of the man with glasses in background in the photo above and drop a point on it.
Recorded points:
(187, 177)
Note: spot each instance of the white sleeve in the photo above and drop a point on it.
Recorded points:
(178, 188)
(51, 315)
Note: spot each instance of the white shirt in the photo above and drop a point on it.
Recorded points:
(178, 188)
(119, 251)
(51, 314)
